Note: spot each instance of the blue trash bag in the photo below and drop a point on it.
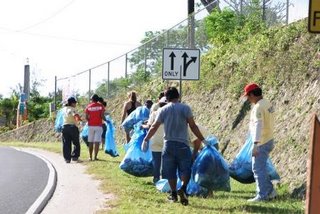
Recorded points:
(193, 189)
(58, 123)
(84, 134)
(139, 114)
(163, 185)
(110, 143)
(241, 167)
(210, 170)
(137, 162)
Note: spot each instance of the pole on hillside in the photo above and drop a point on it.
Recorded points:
(89, 93)
(55, 92)
(26, 86)
(108, 79)
(191, 24)
(287, 12)
(313, 169)
(126, 67)
(264, 10)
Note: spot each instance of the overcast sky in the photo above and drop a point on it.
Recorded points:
(64, 37)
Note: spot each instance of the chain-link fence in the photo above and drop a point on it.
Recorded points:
(145, 60)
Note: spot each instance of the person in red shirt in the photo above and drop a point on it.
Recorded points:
(94, 115)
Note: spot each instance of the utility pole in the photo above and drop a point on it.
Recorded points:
(287, 12)
(191, 24)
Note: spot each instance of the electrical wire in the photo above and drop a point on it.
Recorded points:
(48, 18)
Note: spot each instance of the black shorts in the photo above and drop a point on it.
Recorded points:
(104, 130)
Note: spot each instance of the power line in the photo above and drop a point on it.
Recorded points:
(48, 18)
(65, 38)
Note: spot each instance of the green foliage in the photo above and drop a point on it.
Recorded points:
(8, 109)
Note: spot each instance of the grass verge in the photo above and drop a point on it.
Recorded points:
(138, 195)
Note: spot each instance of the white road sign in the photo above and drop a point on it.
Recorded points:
(181, 64)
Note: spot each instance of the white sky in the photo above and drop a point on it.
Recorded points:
(47, 32)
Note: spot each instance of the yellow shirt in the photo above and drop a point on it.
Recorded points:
(68, 115)
(261, 124)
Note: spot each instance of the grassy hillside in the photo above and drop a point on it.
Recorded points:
(285, 61)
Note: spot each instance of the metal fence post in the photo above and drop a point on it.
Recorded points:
(89, 93)
(108, 79)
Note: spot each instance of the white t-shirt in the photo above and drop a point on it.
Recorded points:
(157, 139)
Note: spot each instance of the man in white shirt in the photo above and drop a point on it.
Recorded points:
(261, 127)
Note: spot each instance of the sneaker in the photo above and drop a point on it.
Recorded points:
(272, 195)
(74, 159)
(255, 199)
(173, 197)
(183, 197)
(68, 161)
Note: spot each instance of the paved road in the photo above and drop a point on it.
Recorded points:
(23, 177)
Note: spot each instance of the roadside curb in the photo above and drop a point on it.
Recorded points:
(48, 191)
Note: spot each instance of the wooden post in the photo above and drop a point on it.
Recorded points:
(313, 173)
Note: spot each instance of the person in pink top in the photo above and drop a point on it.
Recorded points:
(94, 115)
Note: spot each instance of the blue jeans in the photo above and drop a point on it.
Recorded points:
(259, 168)
(156, 161)
(176, 156)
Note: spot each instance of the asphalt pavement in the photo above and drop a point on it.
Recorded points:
(23, 179)
(72, 190)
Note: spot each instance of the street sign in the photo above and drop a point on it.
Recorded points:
(180, 64)
(314, 16)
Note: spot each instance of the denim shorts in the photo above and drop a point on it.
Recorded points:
(176, 157)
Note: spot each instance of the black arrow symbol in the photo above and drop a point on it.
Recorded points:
(172, 56)
(186, 64)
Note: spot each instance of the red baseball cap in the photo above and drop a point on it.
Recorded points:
(249, 87)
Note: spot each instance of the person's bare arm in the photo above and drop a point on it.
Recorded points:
(194, 128)
(124, 112)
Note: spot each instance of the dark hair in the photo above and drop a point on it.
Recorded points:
(256, 92)
(100, 100)
(162, 104)
(104, 103)
(133, 96)
(161, 95)
(148, 103)
(70, 101)
(95, 98)
(172, 93)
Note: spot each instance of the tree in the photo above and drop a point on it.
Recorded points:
(271, 12)
(8, 108)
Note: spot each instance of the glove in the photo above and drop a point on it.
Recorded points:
(144, 146)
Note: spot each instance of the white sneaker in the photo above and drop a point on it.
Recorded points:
(255, 199)
(272, 195)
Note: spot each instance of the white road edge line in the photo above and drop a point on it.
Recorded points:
(38, 205)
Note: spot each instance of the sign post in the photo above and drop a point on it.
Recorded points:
(180, 64)
(314, 16)
(313, 170)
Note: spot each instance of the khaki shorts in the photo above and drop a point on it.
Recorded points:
(94, 135)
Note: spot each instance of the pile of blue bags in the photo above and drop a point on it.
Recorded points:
(241, 167)
(110, 146)
(136, 162)
(210, 170)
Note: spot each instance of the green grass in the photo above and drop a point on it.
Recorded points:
(138, 195)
